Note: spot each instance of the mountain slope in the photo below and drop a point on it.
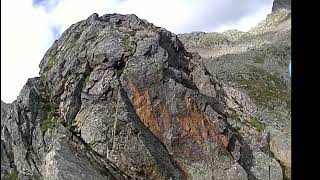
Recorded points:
(256, 63)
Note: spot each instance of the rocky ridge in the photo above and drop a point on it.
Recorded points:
(119, 98)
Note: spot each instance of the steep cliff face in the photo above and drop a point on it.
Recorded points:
(118, 98)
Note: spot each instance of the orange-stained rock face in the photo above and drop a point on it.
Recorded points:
(191, 130)
(141, 104)
(195, 125)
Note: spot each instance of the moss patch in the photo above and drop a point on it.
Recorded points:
(266, 90)
(51, 119)
(12, 176)
(52, 61)
(126, 41)
(254, 122)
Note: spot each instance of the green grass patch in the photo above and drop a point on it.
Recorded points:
(254, 122)
(48, 124)
(266, 90)
(12, 176)
(52, 61)
(126, 41)
(51, 119)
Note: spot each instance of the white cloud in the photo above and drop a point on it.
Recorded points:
(165, 13)
(68, 12)
(27, 30)
(24, 39)
(247, 22)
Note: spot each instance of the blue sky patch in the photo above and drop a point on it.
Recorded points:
(55, 30)
(47, 5)
(37, 2)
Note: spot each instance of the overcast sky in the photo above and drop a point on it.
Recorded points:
(29, 27)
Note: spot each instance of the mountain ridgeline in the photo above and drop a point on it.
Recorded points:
(119, 98)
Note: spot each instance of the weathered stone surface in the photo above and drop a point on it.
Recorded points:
(4, 111)
(118, 98)
(21, 134)
(6, 170)
(266, 167)
(5, 162)
(280, 146)
(64, 161)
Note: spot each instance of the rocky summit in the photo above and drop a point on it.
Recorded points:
(119, 98)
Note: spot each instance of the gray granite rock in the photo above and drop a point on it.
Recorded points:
(119, 98)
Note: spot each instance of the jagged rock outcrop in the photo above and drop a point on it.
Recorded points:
(119, 98)
(124, 96)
